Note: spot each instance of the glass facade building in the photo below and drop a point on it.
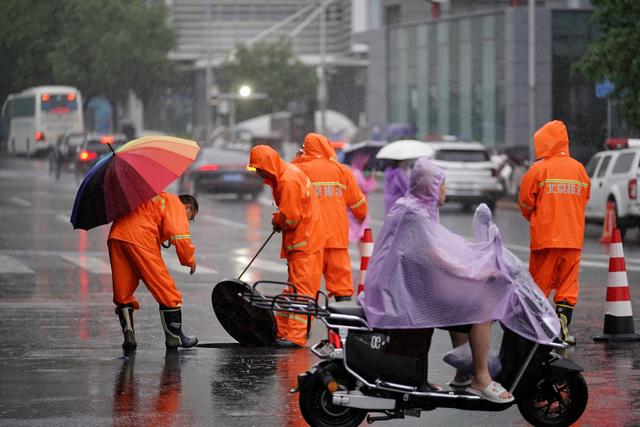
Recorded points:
(448, 77)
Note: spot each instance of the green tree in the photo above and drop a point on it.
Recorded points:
(614, 54)
(102, 47)
(269, 68)
(28, 29)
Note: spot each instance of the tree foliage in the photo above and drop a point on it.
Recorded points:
(269, 68)
(102, 47)
(614, 54)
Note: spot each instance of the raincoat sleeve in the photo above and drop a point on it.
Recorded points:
(355, 198)
(290, 207)
(175, 225)
(528, 194)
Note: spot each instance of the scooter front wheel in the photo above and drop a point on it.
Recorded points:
(558, 400)
(318, 410)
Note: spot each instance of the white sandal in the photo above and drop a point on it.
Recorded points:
(491, 393)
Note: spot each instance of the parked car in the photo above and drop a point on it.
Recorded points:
(221, 171)
(470, 175)
(93, 148)
(614, 178)
(64, 152)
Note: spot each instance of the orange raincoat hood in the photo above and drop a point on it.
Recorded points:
(266, 158)
(316, 146)
(552, 140)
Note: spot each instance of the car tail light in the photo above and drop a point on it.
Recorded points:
(46, 97)
(86, 156)
(633, 188)
(107, 139)
(39, 136)
(71, 97)
(208, 168)
(494, 172)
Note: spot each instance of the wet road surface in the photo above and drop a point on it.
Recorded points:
(61, 363)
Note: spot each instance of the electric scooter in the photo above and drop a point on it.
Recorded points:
(361, 374)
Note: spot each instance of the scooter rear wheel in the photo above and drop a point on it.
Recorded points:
(555, 401)
(319, 411)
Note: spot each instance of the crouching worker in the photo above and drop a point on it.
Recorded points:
(134, 251)
(298, 219)
(422, 276)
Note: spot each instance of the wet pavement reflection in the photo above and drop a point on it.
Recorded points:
(61, 362)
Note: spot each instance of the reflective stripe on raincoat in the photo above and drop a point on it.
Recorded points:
(298, 212)
(554, 192)
(160, 219)
(335, 186)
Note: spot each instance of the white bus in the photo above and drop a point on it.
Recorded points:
(37, 116)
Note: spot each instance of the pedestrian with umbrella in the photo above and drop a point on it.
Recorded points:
(396, 179)
(126, 187)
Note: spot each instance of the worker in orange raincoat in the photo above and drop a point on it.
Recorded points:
(337, 190)
(134, 251)
(553, 196)
(298, 218)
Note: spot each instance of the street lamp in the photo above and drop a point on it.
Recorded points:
(244, 91)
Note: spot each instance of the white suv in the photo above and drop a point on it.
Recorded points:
(614, 177)
(471, 176)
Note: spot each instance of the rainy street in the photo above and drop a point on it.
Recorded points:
(61, 362)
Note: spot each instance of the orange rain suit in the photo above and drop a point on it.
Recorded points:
(553, 196)
(336, 189)
(298, 217)
(134, 250)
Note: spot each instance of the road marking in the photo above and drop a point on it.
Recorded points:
(92, 264)
(222, 221)
(173, 264)
(9, 265)
(266, 265)
(21, 202)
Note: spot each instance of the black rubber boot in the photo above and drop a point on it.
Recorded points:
(343, 298)
(125, 315)
(564, 310)
(172, 324)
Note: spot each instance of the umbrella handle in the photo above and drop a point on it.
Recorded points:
(256, 255)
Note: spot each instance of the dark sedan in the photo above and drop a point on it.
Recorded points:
(93, 148)
(221, 171)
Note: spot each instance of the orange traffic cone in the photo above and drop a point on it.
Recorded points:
(618, 317)
(609, 222)
(367, 250)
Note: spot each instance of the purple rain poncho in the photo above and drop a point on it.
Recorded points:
(422, 275)
(367, 185)
(395, 185)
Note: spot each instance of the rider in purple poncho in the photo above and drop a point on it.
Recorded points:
(421, 275)
(395, 184)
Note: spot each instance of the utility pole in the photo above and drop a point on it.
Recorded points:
(532, 79)
(322, 78)
(208, 77)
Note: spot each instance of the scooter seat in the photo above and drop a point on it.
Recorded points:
(351, 308)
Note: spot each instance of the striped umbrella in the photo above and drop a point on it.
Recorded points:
(128, 177)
